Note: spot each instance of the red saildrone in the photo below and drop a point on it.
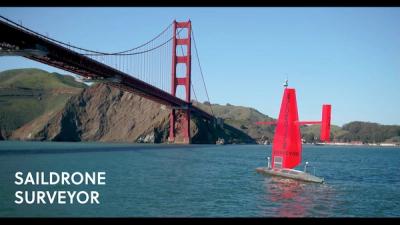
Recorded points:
(287, 145)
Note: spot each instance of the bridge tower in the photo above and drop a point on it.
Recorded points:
(184, 121)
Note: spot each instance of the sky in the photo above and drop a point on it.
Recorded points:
(347, 57)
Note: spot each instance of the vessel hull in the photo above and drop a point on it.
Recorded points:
(290, 173)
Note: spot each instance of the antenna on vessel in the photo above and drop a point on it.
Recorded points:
(286, 84)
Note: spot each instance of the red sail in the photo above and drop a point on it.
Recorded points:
(286, 149)
(326, 123)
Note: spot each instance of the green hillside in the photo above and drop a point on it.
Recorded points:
(28, 93)
(242, 118)
(36, 79)
(368, 132)
(312, 133)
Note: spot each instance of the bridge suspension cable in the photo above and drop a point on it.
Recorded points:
(201, 71)
(150, 62)
(93, 51)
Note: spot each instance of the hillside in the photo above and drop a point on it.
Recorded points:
(37, 105)
(312, 133)
(26, 94)
(365, 132)
(368, 132)
(106, 114)
(243, 119)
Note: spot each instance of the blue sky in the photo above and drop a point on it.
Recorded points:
(349, 57)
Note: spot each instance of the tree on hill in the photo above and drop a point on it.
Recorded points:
(368, 132)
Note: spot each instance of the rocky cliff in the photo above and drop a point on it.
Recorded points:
(104, 113)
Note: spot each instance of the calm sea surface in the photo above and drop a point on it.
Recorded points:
(206, 181)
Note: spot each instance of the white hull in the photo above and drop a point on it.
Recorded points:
(290, 173)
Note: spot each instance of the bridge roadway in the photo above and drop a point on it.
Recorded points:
(17, 41)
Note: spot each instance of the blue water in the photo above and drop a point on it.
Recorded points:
(206, 181)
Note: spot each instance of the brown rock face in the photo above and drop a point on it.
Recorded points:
(102, 113)
(107, 114)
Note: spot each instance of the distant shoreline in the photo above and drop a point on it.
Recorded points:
(359, 144)
(167, 144)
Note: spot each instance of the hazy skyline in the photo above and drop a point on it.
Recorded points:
(348, 57)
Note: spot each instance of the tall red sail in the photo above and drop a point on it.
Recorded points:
(286, 149)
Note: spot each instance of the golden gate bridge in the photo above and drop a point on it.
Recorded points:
(156, 69)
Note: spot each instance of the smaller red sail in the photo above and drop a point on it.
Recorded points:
(326, 123)
(286, 148)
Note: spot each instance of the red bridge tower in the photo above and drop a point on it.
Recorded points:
(182, 123)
